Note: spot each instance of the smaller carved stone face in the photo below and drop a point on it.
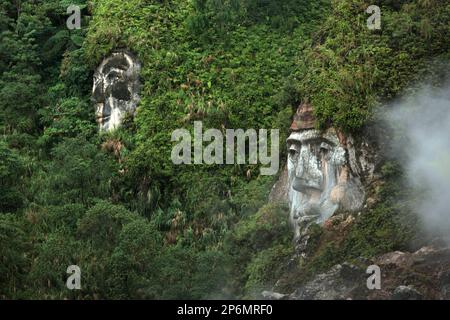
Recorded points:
(116, 89)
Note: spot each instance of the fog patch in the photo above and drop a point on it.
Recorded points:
(421, 126)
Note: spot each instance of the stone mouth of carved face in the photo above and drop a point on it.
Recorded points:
(105, 117)
(307, 186)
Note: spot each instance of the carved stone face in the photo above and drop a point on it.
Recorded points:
(116, 89)
(319, 178)
(315, 168)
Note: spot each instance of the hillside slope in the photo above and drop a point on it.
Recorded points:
(115, 204)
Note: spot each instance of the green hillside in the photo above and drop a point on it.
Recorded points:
(114, 203)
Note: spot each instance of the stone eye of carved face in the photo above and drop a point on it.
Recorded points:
(319, 148)
(325, 150)
(294, 151)
(325, 146)
(114, 76)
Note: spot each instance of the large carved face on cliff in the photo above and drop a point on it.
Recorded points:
(319, 178)
(116, 89)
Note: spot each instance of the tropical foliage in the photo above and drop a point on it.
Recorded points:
(114, 204)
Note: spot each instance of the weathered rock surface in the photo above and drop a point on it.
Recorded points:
(424, 274)
(406, 293)
(344, 281)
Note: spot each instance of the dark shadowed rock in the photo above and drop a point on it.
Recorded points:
(344, 281)
(445, 284)
(406, 293)
(424, 274)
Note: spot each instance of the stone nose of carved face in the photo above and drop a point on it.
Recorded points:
(308, 174)
(97, 92)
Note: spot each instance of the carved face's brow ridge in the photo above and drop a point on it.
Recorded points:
(120, 63)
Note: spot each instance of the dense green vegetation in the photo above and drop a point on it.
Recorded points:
(350, 68)
(114, 204)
